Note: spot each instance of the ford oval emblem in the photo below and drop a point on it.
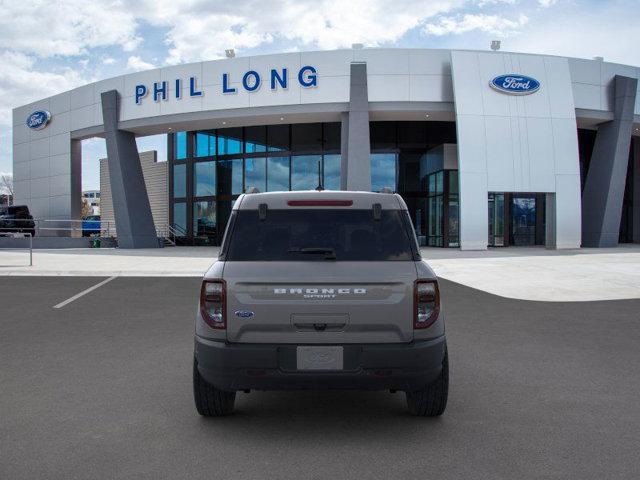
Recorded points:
(515, 84)
(38, 119)
(244, 313)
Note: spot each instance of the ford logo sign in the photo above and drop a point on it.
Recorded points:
(244, 313)
(515, 84)
(38, 119)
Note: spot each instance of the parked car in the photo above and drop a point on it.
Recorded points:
(17, 219)
(91, 225)
(320, 290)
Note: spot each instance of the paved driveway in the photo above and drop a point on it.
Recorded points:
(101, 388)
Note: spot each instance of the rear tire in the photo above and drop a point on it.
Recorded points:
(210, 402)
(432, 401)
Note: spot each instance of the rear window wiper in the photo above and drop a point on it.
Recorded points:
(329, 253)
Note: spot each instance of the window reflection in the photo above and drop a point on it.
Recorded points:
(278, 174)
(230, 177)
(332, 172)
(204, 181)
(304, 171)
(180, 217)
(180, 180)
(204, 219)
(180, 146)
(229, 141)
(255, 173)
(255, 139)
(383, 171)
(205, 144)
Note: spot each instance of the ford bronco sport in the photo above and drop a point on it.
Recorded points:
(317, 290)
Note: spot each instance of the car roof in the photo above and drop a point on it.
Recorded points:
(358, 200)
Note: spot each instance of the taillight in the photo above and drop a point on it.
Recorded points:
(426, 303)
(213, 303)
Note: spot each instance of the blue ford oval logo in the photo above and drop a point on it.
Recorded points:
(244, 313)
(38, 119)
(515, 84)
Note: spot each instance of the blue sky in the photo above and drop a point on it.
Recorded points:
(48, 49)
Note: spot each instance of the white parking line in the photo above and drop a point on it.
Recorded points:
(84, 292)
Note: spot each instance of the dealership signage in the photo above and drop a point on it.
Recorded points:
(250, 81)
(515, 84)
(38, 119)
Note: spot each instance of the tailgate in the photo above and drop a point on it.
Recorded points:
(319, 302)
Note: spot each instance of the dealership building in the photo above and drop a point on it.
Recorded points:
(486, 148)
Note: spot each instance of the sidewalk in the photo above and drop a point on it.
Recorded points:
(522, 273)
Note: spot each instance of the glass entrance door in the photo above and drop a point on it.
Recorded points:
(523, 220)
(496, 220)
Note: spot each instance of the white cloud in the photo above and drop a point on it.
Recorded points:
(135, 63)
(71, 27)
(324, 24)
(108, 61)
(491, 24)
(547, 3)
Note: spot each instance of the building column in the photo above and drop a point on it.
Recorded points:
(131, 208)
(356, 162)
(605, 183)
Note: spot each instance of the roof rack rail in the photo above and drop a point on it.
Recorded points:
(386, 190)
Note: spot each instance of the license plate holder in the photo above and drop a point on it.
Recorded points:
(320, 358)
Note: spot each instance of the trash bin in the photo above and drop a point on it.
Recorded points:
(95, 243)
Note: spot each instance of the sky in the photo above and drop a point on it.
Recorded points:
(48, 47)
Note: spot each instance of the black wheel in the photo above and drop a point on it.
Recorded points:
(210, 402)
(432, 401)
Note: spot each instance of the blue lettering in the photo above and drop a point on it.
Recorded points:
(310, 80)
(141, 92)
(192, 88)
(225, 84)
(178, 91)
(256, 81)
(157, 90)
(275, 77)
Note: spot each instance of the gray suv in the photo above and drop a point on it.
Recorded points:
(320, 290)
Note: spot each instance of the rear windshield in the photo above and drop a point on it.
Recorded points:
(327, 234)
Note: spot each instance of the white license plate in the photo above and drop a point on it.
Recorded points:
(320, 358)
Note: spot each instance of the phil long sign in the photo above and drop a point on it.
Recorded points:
(515, 84)
(250, 81)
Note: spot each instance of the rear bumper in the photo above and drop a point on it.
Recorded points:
(408, 367)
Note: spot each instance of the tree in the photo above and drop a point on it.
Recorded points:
(6, 183)
(86, 208)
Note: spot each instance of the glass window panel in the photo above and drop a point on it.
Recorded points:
(453, 182)
(205, 144)
(180, 217)
(306, 137)
(332, 172)
(180, 146)
(332, 133)
(383, 135)
(204, 179)
(412, 134)
(230, 177)
(432, 184)
(304, 172)
(255, 173)
(383, 171)
(230, 141)
(439, 182)
(179, 180)
(278, 137)
(278, 174)
(255, 139)
(204, 219)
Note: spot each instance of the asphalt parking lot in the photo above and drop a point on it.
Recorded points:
(101, 388)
